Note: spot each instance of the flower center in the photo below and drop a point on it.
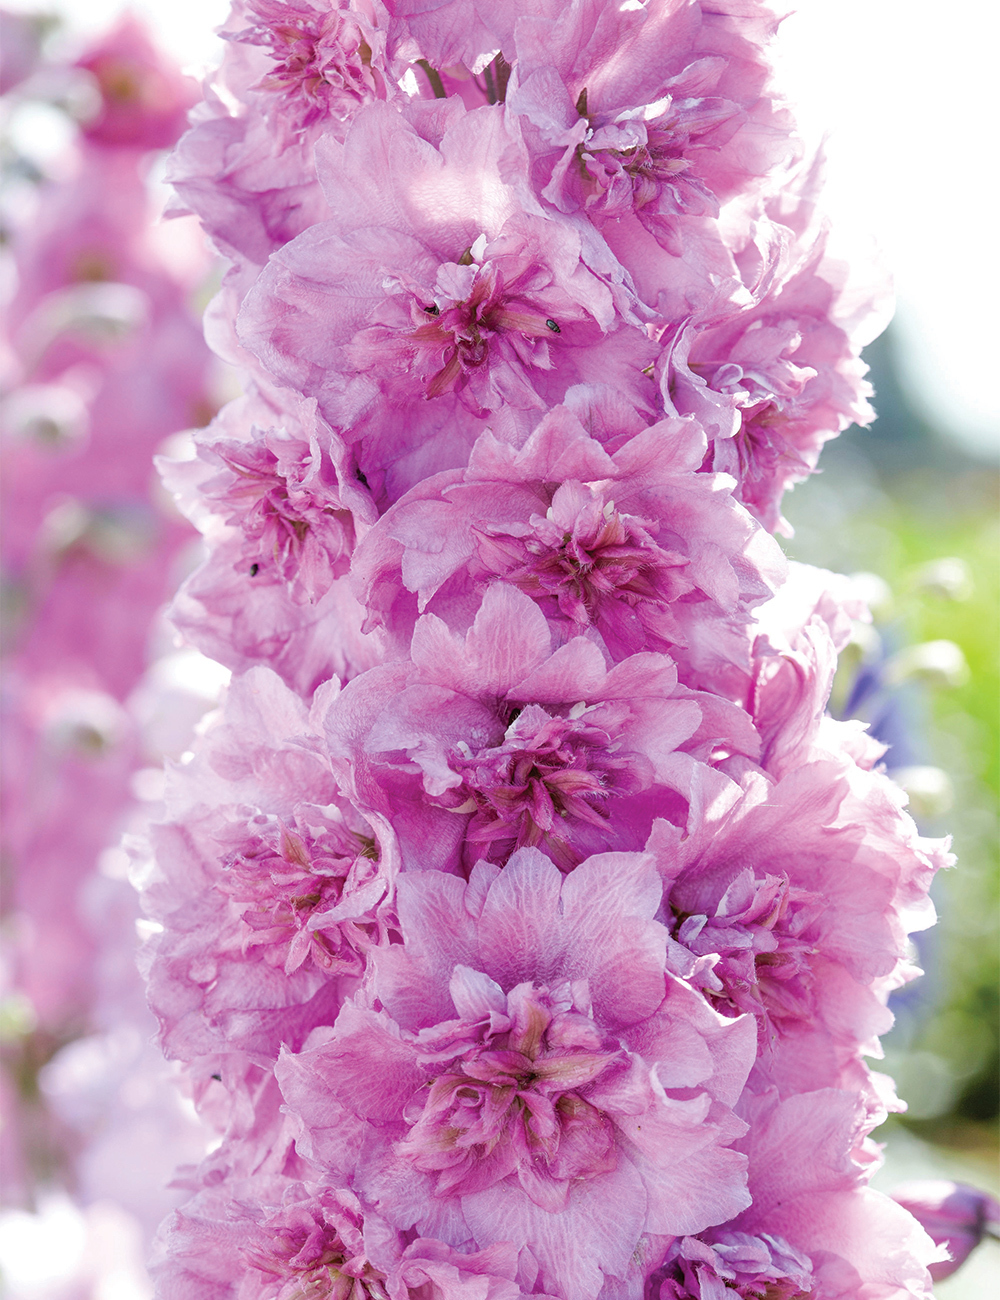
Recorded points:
(587, 566)
(759, 931)
(762, 446)
(316, 1265)
(516, 1104)
(290, 526)
(281, 878)
(647, 165)
(464, 332)
(322, 64)
(549, 774)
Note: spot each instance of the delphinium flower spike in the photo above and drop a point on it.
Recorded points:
(525, 920)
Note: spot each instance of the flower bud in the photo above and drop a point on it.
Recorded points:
(953, 1215)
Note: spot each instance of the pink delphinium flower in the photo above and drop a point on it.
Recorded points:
(324, 60)
(290, 1239)
(814, 1229)
(662, 137)
(744, 1265)
(774, 380)
(280, 510)
(535, 1095)
(143, 97)
(793, 907)
(633, 544)
(280, 489)
(501, 739)
(273, 887)
(449, 318)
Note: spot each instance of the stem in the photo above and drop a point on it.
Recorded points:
(434, 78)
(502, 76)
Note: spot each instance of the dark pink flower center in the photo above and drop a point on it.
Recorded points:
(648, 166)
(598, 563)
(701, 1281)
(322, 64)
(464, 332)
(549, 774)
(314, 1264)
(763, 446)
(280, 885)
(286, 523)
(765, 953)
(517, 1105)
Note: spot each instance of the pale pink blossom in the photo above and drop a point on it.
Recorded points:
(621, 132)
(632, 543)
(143, 96)
(500, 739)
(324, 62)
(408, 324)
(791, 906)
(534, 1094)
(271, 888)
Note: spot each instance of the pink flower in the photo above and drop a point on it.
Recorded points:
(293, 73)
(250, 191)
(275, 1238)
(410, 323)
(773, 381)
(514, 1087)
(143, 98)
(794, 658)
(280, 488)
(280, 509)
(273, 889)
(733, 1262)
(663, 137)
(502, 740)
(525, 921)
(635, 544)
(324, 62)
(290, 883)
(244, 624)
(807, 1176)
(793, 907)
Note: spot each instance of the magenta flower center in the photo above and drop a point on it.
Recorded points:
(313, 1263)
(285, 527)
(465, 332)
(549, 774)
(760, 930)
(647, 165)
(762, 445)
(702, 1281)
(516, 1104)
(279, 886)
(586, 568)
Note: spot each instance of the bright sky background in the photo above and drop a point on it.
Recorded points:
(906, 90)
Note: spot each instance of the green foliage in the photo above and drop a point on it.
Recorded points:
(945, 1049)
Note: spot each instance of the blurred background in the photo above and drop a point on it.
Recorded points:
(900, 93)
(913, 509)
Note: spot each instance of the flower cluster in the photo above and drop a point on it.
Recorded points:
(102, 361)
(524, 918)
